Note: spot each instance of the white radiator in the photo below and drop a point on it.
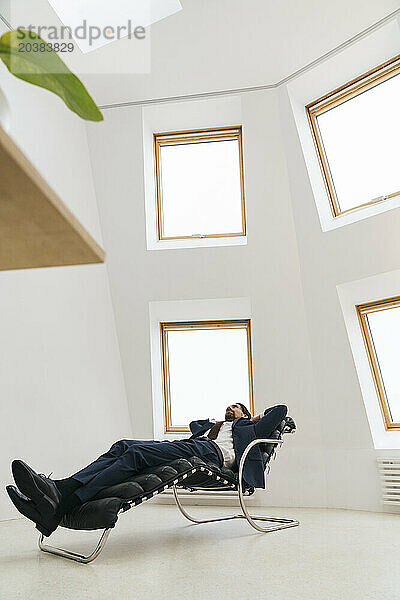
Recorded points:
(389, 469)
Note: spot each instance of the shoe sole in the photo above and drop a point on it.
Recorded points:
(24, 477)
(27, 511)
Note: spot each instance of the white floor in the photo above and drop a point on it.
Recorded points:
(155, 553)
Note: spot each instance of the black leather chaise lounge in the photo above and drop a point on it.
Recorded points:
(190, 474)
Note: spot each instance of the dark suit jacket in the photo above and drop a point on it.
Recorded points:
(243, 432)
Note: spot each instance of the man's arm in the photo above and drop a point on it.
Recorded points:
(200, 425)
(261, 415)
(270, 420)
(264, 414)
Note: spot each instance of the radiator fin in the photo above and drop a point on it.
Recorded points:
(389, 470)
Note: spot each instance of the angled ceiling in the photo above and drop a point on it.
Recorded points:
(223, 44)
(214, 45)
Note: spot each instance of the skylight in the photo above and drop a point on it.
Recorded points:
(356, 130)
(107, 16)
(199, 181)
(380, 325)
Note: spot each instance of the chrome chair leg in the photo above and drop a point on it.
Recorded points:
(73, 555)
(198, 521)
(281, 523)
(277, 523)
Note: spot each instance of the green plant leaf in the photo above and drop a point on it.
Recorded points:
(45, 69)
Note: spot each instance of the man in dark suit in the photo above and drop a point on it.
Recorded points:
(44, 501)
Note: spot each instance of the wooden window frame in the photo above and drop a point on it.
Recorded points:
(363, 310)
(192, 137)
(335, 98)
(199, 325)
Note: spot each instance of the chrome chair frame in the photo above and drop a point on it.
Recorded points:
(73, 555)
(281, 523)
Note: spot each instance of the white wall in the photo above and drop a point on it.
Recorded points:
(289, 269)
(60, 361)
(266, 270)
(328, 259)
(61, 385)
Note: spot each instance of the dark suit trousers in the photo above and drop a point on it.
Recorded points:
(127, 458)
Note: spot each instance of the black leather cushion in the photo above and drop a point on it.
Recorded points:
(209, 475)
(102, 512)
(96, 514)
(193, 473)
(268, 450)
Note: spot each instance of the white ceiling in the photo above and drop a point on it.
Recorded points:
(214, 45)
(223, 44)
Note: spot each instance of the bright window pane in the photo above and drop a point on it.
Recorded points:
(201, 188)
(361, 141)
(385, 331)
(208, 370)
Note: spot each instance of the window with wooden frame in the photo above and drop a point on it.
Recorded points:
(200, 184)
(380, 326)
(206, 366)
(356, 132)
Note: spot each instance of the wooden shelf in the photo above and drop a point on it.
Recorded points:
(36, 228)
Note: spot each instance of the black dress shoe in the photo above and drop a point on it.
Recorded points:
(44, 523)
(33, 485)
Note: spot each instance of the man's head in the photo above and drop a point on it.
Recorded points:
(235, 411)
